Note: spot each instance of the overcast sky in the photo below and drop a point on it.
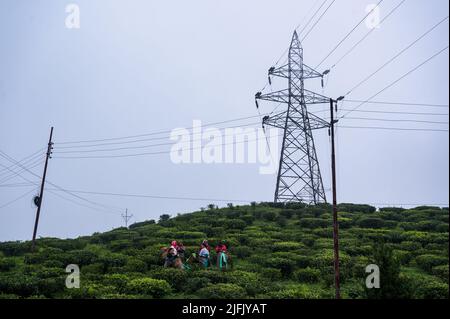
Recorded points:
(137, 67)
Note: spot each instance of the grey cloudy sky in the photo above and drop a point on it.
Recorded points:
(137, 67)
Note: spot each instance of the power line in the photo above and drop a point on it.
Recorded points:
(16, 185)
(396, 81)
(348, 34)
(249, 125)
(310, 20)
(390, 112)
(24, 160)
(367, 34)
(303, 29)
(320, 18)
(393, 128)
(396, 56)
(157, 153)
(84, 199)
(12, 170)
(204, 125)
(400, 103)
(196, 148)
(160, 197)
(154, 133)
(394, 120)
(80, 204)
(9, 158)
(15, 174)
(20, 175)
(17, 199)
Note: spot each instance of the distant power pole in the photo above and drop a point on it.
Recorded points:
(126, 217)
(41, 194)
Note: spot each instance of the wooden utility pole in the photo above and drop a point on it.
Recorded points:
(49, 153)
(335, 214)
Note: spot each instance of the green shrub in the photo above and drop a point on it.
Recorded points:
(302, 261)
(355, 208)
(286, 266)
(441, 272)
(312, 223)
(353, 289)
(49, 287)
(281, 221)
(242, 252)
(410, 246)
(141, 224)
(370, 223)
(17, 248)
(296, 292)
(287, 213)
(345, 223)
(222, 291)
(91, 291)
(97, 268)
(6, 264)
(248, 219)
(19, 284)
(287, 246)
(307, 275)
(119, 281)
(149, 287)
(190, 235)
(193, 284)
(80, 257)
(271, 274)
(251, 282)
(427, 262)
(53, 264)
(390, 281)
(236, 224)
(175, 277)
(269, 216)
(112, 260)
(404, 257)
(433, 290)
(215, 277)
(135, 265)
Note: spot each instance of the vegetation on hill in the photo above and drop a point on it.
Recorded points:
(279, 251)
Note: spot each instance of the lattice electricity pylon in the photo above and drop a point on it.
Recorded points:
(299, 178)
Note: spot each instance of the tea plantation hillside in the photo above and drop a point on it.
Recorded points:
(279, 251)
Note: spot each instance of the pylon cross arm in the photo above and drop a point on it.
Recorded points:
(277, 120)
(283, 96)
(315, 98)
(283, 72)
(316, 122)
(278, 96)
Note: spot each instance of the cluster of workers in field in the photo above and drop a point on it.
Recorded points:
(175, 255)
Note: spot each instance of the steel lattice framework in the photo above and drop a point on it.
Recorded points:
(299, 178)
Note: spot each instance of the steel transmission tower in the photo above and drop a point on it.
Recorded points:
(299, 178)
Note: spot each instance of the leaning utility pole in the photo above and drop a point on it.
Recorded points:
(41, 194)
(335, 215)
(299, 178)
(126, 217)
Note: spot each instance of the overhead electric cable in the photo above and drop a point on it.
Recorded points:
(398, 80)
